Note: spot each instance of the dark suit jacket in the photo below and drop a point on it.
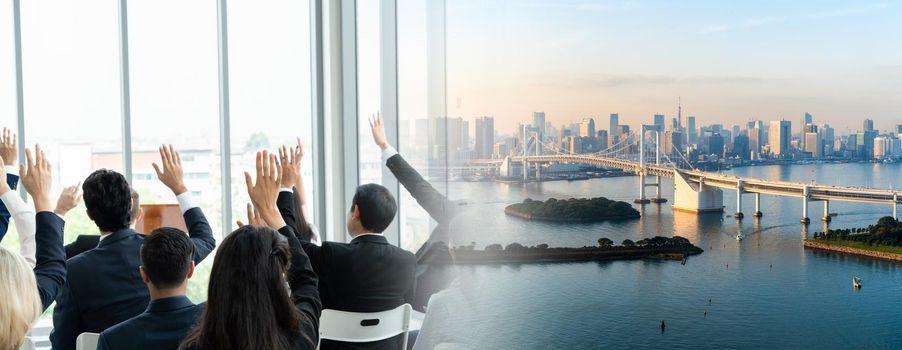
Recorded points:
(432, 276)
(161, 327)
(50, 270)
(104, 286)
(366, 275)
(82, 244)
(12, 180)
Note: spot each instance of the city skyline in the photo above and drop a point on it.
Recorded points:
(730, 62)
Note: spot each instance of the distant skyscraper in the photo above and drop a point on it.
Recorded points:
(587, 127)
(814, 145)
(659, 122)
(741, 146)
(674, 124)
(614, 129)
(866, 144)
(804, 120)
(601, 139)
(538, 122)
(899, 128)
(485, 137)
(868, 125)
(827, 137)
(715, 143)
(780, 131)
(756, 140)
(692, 132)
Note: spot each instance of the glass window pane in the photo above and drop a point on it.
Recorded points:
(269, 53)
(174, 89)
(71, 91)
(8, 95)
(368, 88)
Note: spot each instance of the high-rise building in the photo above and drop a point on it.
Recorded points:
(881, 148)
(659, 122)
(814, 144)
(601, 139)
(692, 132)
(804, 120)
(715, 143)
(741, 146)
(898, 128)
(538, 122)
(756, 140)
(868, 125)
(780, 131)
(587, 127)
(827, 137)
(674, 124)
(866, 144)
(614, 129)
(485, 137)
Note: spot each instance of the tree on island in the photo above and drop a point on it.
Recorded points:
(582, 209)
(605, 242)
(514, 247)
(493, 247)
(628, 243)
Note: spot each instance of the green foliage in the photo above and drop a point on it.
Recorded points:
(576, 208)
(514, 246)
(494, 247)
(605, 242)
(628, 243)
(886, 232)
(255, 142)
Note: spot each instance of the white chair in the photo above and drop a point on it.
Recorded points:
(358, 327)
(86, 341)
(28, 344)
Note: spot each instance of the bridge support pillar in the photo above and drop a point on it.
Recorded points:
(658, 199)
(805, 219)
(641, 199)
(758, 212)
(895, 201)
(826, 217)
(739, 215)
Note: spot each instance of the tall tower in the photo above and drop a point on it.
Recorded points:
(680, 112)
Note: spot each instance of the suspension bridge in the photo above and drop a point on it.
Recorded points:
(694, 190)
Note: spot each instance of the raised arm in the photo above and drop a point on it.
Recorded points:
(436, 204)
(50, 270)
(14, 206)
(293, 211)
(171, 175)
(264, 193)
(9, 153)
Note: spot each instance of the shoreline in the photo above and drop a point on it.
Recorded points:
(512, 212)
(553, 255)
(839, 248)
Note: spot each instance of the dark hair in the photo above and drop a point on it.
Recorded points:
(377, 207)
(302, 227)
(108, 199)
(134, 205)
(248, 305)
(166, 256)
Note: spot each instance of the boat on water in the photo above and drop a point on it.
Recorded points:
(856, 282)
(739, 237)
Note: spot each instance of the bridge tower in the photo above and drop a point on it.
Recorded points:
(826, 217)
(758, 212)
(642, 171)
(805, 220)
(658, 198)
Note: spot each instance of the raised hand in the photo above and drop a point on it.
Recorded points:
(8, 149)
(253, 217)
(171, 175)
(290, 158)
(4, 187)
(37, 179)
(68, 200)
(265, 190)
(378, 131)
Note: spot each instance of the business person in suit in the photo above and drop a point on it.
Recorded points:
(69, 200)
(250, 308)
(366, 275)
(166, 266)
(433, 274)
(104, 285)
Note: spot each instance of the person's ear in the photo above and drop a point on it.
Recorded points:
(144, 275)
(356, 212)
(139, 214)
(190, 270)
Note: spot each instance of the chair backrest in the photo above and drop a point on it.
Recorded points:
(358, 327)
(86, 341)
(28, 344)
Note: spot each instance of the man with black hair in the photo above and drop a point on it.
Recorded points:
(104, 285)
(366, 275)
(166, 266)
(68, 200)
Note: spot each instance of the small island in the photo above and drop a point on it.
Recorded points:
(882, 240)
(672, 248)
(573, 210)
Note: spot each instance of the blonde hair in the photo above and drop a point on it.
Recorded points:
(20, 304)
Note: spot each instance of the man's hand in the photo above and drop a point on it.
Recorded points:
(68, 200)
(171, 175)
(37, 179)
(378, 131)
(265, 191)
(253, 217)
(290, 159)
(8, 149)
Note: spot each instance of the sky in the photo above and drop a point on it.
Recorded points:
(728, 61)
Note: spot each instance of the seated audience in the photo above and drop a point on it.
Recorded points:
(430, 277)
(248, 306)
(24, 218)
(104, 285)
(366, 275)
(10, 153)
(69, 200)
(166, 266)
(26, 292)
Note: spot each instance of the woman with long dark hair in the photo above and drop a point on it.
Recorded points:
(248, 304)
